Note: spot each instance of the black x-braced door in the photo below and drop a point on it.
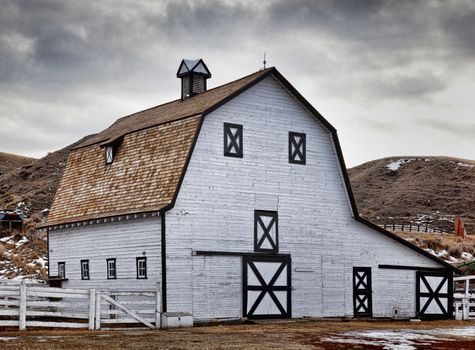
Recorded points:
(434, 295)
(362, 300)
(266, 287)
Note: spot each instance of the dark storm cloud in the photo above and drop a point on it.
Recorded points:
(69, 66)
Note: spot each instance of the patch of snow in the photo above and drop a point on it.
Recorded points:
(8, 338)
(465, 164)
(466, 256)
(22, 241)
(41, 261)
(405, 339)
(441, 253)
(394, 165)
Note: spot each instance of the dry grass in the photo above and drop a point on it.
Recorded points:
(452, 244)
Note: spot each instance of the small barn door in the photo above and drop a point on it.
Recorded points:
(266, 287)
(362, 299)
(434, 295)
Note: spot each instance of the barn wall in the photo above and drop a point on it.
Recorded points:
(215, 211)
(124, 240)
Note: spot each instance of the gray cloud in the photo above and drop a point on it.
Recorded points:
(69, 68)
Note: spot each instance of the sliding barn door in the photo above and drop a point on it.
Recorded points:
(266, 287)
(434, 295)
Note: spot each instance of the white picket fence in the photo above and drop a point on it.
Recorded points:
(25, 304)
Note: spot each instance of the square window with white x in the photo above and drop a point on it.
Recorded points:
(233, 140)
(297, 148)
(266, 231)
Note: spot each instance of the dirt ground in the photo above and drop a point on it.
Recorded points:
(303, 334)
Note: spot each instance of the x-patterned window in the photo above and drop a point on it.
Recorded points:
(266, 231)
(233, 140)
(297, 148)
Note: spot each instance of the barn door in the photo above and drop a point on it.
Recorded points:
(362, 299)
(266, 287)
(434, 295)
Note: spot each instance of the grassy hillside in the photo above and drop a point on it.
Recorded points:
(35, 182)
(9, 162)
(425, 190)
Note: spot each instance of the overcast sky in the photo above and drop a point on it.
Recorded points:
(394, 77)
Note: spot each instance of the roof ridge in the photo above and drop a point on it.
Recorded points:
(204, 92)
(171, 110)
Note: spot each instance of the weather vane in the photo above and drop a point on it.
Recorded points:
(264, 60)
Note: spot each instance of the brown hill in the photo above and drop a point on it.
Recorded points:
(418, 190)
(34, 183)
(9, 162)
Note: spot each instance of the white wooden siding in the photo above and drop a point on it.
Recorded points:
(123, 240)
(215, 211)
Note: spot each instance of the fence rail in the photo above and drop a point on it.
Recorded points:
(412, 228)
(25, 305)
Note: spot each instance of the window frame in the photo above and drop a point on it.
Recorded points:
(83, 270)
(137, 265)
(63, 265)
(275, 217)
(110, 154)
(114, 261)
(228, 147)
(292, 141)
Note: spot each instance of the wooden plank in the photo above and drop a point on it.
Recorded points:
(9, 312)
(56, 324)
(137, 302)
(125, 320)
(9, 302)
(97, 312)
(22, 314)
(83, 316)
(92, 308)
(9, 323)
(49, 294)
(130, 312)
(58, 304)
(59, 290)
(9, 293)
(133, 293)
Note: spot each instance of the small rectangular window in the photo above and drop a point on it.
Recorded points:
(84, 269)
(266, 231)
(297, 148)
(62, 269)
(111, 269)
(142, 268)
(110, 154)
(232, 140)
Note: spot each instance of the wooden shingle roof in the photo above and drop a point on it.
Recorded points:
(151, 159)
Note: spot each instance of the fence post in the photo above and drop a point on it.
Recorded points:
(92, 308)
(158, 308)
(98, 310)
(22, 320)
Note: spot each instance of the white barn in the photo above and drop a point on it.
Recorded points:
(238, 201)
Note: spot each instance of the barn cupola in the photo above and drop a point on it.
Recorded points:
(193, 75)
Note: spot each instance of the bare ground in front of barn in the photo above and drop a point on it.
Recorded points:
(303, 334)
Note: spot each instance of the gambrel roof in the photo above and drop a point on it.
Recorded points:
(155, 146)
